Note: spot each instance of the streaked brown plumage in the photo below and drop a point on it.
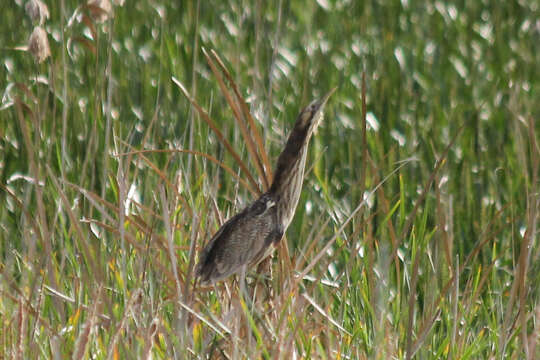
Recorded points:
(249, 236)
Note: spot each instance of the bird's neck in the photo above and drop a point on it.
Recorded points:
(290, 158)
(289, 174)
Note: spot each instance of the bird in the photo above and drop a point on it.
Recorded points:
(251, 235)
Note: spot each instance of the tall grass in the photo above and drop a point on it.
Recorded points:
(150, 124)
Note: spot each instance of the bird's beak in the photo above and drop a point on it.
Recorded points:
(325, 98)
(320, 107)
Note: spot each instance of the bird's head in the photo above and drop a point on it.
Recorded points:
(311, 115)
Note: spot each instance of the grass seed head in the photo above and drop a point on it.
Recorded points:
(38, 44)
(100, 10)
(37, 10)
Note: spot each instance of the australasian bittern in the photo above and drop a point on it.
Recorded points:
(249, 236)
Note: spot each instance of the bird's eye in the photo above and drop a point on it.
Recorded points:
(313, 106)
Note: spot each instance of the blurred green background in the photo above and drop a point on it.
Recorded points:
(442, 262)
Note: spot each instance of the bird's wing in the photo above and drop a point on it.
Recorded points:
(242, 240)
(210, 265)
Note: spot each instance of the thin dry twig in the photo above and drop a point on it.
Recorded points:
(219, 134)
(256, 134)
(240, 121)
